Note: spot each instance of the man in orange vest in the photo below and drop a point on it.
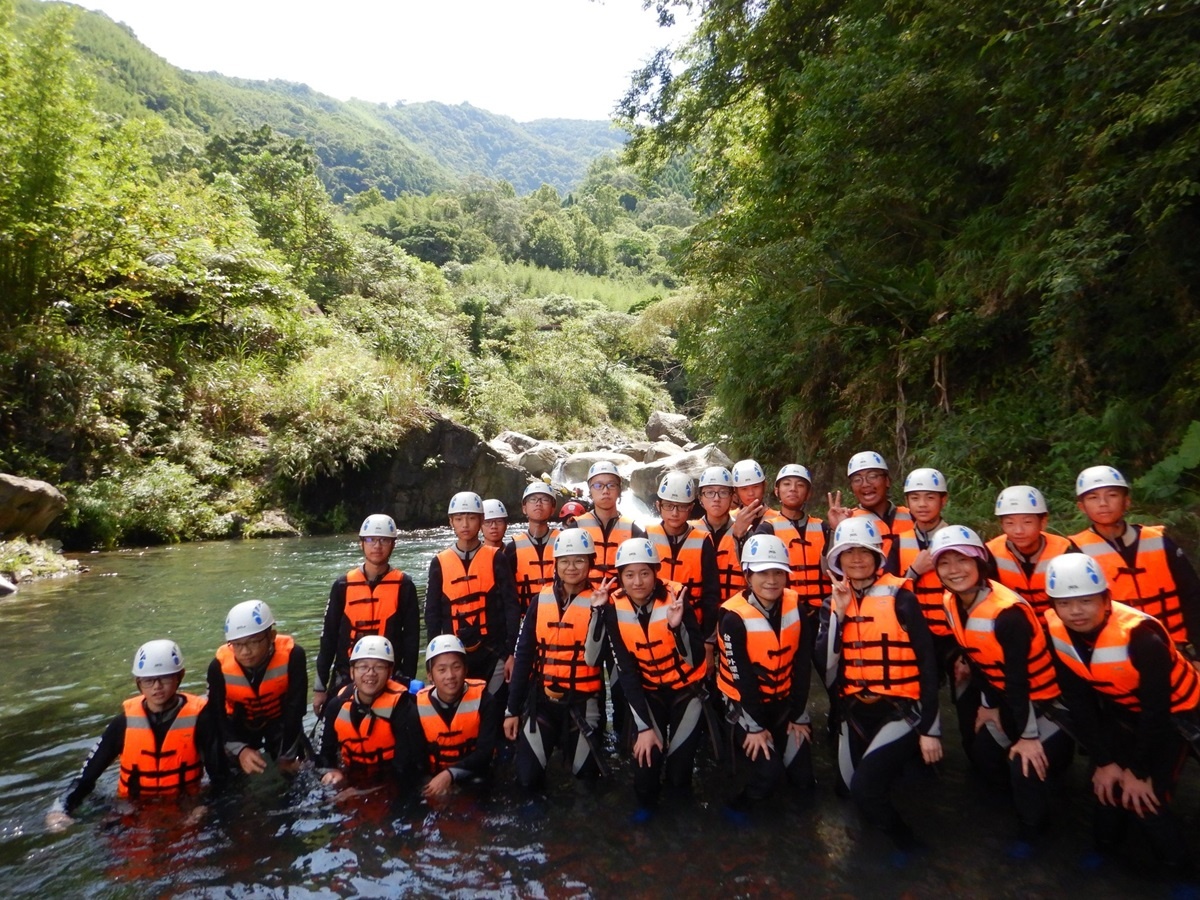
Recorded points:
(165, 739)
(1023, 552)
(1144, 568)
(1134, 703)
(495, 524)
(372, 598)
(528, 552)
(605, 524)
(471, 594)
(258, 684)
(716, 498)
(870, 481)
(804, 536)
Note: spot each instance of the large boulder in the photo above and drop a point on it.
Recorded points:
(661, 450)
(575, 467)
(516, 442)
(668, 426)
(635, 449)
(414, 483)
(28, 506)
(541, 458)
(644, 479)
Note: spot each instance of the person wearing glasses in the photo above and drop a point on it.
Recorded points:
(528, 552)
(258, 684)
(165, 739)
(804, 536)
(605, 525)
(716, 499)
(870, 481)
(372, 598)
(686, 555)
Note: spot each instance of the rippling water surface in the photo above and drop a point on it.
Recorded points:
(65, 648)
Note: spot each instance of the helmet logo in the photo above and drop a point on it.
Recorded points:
(870, 529)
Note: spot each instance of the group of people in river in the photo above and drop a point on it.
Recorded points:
(711, 621)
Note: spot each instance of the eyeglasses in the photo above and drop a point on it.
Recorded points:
(539, 498)
(377, 668)
(378, 541)
(157, 680)
(867, 478)
(674, 507)
(251, 642)
(604, 485)
(716, 493)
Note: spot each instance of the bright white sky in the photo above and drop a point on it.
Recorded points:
(528, 59)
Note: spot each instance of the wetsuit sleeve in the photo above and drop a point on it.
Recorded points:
(510, 554)
(335, 610)
(1150, 655)
(628, 672)
(910, 617)
(208, 742)
(689, 639)
(892, 563)
(741, 672)
(329, 756)
(295, 704)
(1014, 634)
(404, 629)
(477, 763)
(802, 675)
(1187, 583)
(104, 754)
(595, 646)
(409, 759)
(710, 589)
(502, 603)
(827, 651)
(216, 699)
(437, 612)
(1083, 703)
(522, 674)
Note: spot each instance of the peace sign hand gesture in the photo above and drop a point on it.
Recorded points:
(600, 594)
(675, 608)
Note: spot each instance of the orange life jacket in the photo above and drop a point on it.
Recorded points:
(730, 578)
(927, 587)
(658, 658)
(1031, 587)
(1147, 584)
(771, 655)
(977, 635)
(560, 644)
(149, 770)
(606, 547)
(877, 655)
(466, 587)
(262, 704)
(372, 743)
(901, 522)
(1111, 672)
(450, 743)
(804, 556)
(535, 566)
(368, 609)
(682, 566)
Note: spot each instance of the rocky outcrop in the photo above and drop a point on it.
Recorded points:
(669, 427)
(271, 523)
(541, 458)
(661, 450)
(414, 483)
(644, 479)
(28, 506)
(575, 469)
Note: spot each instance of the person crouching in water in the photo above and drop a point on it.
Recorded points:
(875, 648)
(1012, 743)
(660, 657)
(258, 684)
(459, 719)
(1135, 702)
(368, 727)
(763, 668)
(555, 687)
(165, 739)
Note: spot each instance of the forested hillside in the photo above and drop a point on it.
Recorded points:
(395, 148)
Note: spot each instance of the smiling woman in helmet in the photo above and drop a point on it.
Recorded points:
(876, 651)
(372, 598)
(165, 739)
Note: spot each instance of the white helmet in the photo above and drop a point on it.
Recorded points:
(1021, 499)
(1098, 477)
(494, 509)
(378, 525)
(443, 643)
(155, 658)
(763, 552)
(574, 542)
(603, 467)
(857, 531)
(373, 647)
(636, 550)
(248, 618)
(866, 459)
(676, 487)
(960, 538)
(747, 472)
(716, 476)
(465, 502)
(794, 470)
(925, 480)
(537, 487)
(1074, 575)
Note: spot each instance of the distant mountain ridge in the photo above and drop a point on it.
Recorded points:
(416, 147)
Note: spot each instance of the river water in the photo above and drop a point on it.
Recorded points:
(65, 649)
